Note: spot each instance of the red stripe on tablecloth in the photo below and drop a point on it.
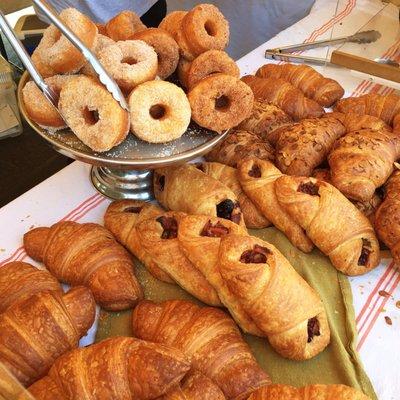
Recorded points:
(378, 312)
(13, 256)
(94, 205)
(374, 291)
(80, 205)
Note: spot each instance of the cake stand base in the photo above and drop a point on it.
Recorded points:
(123, 184)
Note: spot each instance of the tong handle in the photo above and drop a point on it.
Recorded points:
(272, 55)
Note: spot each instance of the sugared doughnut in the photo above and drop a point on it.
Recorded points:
(220, 102)
(165, 46)
(129, 62)
(101, 28)
(43, 69)
(102, 42)
(183, 69)
(160, 111)
(205, 29)
(172, 22)
(39, 108)
(210, 62)
(93, 114)
(58, 52)
(124, 25)
(184, 47)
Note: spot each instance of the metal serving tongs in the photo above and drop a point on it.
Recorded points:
(104, 77)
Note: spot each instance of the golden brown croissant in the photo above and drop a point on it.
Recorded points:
(383, 107)
(355, 122)
(19, 280)
(195, 386)
(331, 221)
(87, 254)
(265, 119)
(361, 161)
(388, 214)
(257, 178)
(159, 237)
(305, 145)
(238, 145)
(122, 218)
(34, 332)
(199, 238)
(311, 392)
(324, 91)
(206, 335)
(282, 304)
(185, 188)
(228, 176)
(119, 368)
(284, 95)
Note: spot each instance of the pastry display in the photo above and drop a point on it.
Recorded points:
(324, 91)
(202, 194)
(37, 330)
(208, 337)
(87, 254)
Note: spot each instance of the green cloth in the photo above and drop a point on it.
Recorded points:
(338, 363)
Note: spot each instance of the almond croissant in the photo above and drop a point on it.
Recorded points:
(87, 254)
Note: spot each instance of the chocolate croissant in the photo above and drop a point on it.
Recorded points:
(228, 176)
(331, 221)
(34, 332)
(185, 188)
(282, 304)
(257, 178)
(87, 254)
(206, 335)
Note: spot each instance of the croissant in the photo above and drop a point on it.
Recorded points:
(384, 107)
(355, 122)
(121, 219)
(362, 161)
(185, 188)
(257, 178)
(305, 145)
(199, 238)
(324, 91)
(20, 280)
(314, 392)
(158, 237)
(195, 386)
(331, 221)
(265, 119)
(34, 332)
(285, 308)
(228, 176)
(388, 214)
(206, 335)
(87, 254)
(281, 93)
(238, 145)
(119, 368)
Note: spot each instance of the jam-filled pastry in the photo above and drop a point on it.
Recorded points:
(185, 188)
(257, 178)
(282, 304)
(200, 237)
(159, 237)
(331, 221)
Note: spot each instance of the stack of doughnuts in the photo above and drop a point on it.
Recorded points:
(139, 59)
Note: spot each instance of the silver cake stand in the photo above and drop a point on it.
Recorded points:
(125, 172)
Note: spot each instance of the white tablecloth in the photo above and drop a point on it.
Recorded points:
(70, 195)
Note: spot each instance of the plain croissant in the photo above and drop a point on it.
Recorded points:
(282, 304)
(331, 221)
(355, 122)
(34, 332)
(284, 95)
(87, 254)
(324, 91)
(119, 368)
(206, 335)
(20, 280)
(311, 392)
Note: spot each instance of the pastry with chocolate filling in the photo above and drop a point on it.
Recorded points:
(158, 236)
(281, 303)
(331, 221)
(187, 189)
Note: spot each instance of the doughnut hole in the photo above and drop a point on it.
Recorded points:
(129, 60)
(91, 116)
(210, 28)
(222, 103)
(158, 111)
